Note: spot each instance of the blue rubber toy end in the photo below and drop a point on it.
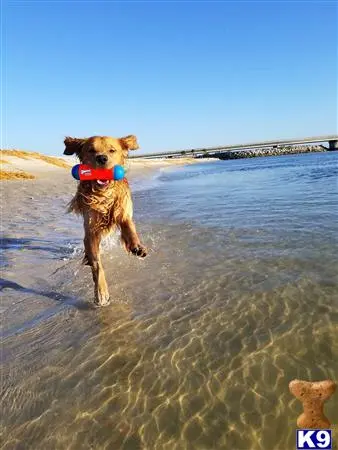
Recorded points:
(118, 173)
(75, 171)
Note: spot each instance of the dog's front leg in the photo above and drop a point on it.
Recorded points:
(130, 238)
(92, 256)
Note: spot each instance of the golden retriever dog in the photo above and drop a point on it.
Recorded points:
(104, 204)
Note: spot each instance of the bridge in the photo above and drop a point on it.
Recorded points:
(331, 139)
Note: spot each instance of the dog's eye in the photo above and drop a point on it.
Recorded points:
(112, 150)
(91, 150)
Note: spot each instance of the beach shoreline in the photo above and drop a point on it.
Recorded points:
(23, 165)
(26, 166)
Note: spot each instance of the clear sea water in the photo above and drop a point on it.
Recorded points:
(238, 297)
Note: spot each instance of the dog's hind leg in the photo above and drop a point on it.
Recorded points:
(92, 241)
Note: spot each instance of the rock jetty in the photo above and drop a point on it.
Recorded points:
(276, 151)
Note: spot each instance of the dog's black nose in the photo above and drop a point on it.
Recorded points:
(101, 159)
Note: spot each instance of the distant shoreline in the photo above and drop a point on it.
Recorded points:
(23, 165)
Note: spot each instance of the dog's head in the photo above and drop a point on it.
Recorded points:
(101, 152)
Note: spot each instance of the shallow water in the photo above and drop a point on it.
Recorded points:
(238, 297)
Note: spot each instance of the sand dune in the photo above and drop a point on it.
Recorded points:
(22, 165)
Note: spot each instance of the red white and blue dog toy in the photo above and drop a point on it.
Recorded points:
(84, 172)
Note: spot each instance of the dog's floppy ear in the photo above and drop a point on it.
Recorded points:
(129, 142)
(73, 145)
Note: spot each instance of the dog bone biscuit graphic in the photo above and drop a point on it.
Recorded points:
(312, 395)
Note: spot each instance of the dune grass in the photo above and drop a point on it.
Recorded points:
(35, 155)
(7, 175)
(4, 161)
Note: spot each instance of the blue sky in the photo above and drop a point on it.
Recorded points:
(176, 74)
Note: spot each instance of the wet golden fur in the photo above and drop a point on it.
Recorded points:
(104, 207)
(113, 204)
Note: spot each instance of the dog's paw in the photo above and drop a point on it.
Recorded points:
(100, 303)
(101, 298)
(140, 251)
